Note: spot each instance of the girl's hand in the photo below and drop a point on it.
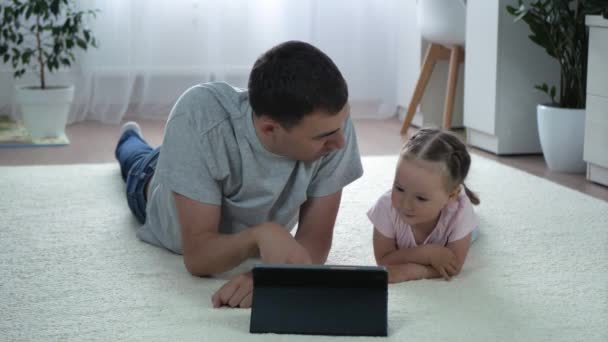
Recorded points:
(443, 260)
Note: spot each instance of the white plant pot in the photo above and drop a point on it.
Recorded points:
(562, 135)
(45, 111)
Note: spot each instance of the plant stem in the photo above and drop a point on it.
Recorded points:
(39, 47)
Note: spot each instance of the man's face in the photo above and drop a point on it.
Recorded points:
(315, 136)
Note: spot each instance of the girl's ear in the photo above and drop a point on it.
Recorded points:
(454, 194)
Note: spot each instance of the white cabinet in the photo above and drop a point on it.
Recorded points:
(596, 120)
(502, 67)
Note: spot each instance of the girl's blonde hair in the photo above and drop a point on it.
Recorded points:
(439, 146)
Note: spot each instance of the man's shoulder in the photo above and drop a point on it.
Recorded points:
(208, 105)
(218, 96)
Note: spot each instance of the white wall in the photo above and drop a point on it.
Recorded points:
(408, 54)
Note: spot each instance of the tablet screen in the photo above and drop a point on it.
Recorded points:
(320, 299)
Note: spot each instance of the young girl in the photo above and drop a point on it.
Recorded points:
(423, 226)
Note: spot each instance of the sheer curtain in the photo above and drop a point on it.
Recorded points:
(150, 51)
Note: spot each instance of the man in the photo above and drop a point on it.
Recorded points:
(238, 169)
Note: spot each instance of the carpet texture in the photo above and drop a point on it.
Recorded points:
(71, 267)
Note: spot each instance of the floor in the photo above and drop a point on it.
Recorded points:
(93, 142)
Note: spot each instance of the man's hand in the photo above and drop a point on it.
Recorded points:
(277, 246)
(236, 292)
(443, 260)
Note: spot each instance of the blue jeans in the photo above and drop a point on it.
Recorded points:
(137, 161)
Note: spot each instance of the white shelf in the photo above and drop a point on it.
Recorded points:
(502, 67)
(596, 20)
(596, 120)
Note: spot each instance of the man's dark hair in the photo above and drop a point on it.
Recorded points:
(294, 79)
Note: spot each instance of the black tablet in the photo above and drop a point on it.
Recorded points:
(319, 300)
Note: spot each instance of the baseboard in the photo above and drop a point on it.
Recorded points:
(597, 174)
(481, 140)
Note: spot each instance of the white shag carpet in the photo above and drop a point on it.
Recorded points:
(71, 267)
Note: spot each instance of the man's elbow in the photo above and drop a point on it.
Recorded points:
(196, 268)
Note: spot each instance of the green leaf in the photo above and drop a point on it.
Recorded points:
(55, 7)
(50, 65)
(59, 24)
(25, 58)
(81, 43)
(543, 88)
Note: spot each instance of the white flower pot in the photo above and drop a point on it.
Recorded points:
(45, 111)
(562, 135)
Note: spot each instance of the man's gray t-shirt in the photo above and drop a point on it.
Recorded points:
(211, 154)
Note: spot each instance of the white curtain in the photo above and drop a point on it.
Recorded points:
(150, 51)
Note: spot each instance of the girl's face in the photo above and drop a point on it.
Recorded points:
(419, 192)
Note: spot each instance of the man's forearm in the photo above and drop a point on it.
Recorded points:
(217, 253)
(416, 255)
(318, 250)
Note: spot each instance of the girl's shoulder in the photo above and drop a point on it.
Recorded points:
(385, 198)
(461, 203)
(383, 203)
(383, 216)
(459, 217)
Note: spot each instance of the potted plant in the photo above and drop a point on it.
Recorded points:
(41, 36)
(559, 27)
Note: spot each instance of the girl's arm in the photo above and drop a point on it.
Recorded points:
(423, 262)
(448, 265)
(410, 271)
(386, 252)
(460, 249)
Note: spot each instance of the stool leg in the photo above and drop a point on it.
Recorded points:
(455, 59)
(433, 53)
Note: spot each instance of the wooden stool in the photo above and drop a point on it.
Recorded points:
(434, 53)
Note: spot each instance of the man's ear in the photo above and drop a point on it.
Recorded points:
(267, 126)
